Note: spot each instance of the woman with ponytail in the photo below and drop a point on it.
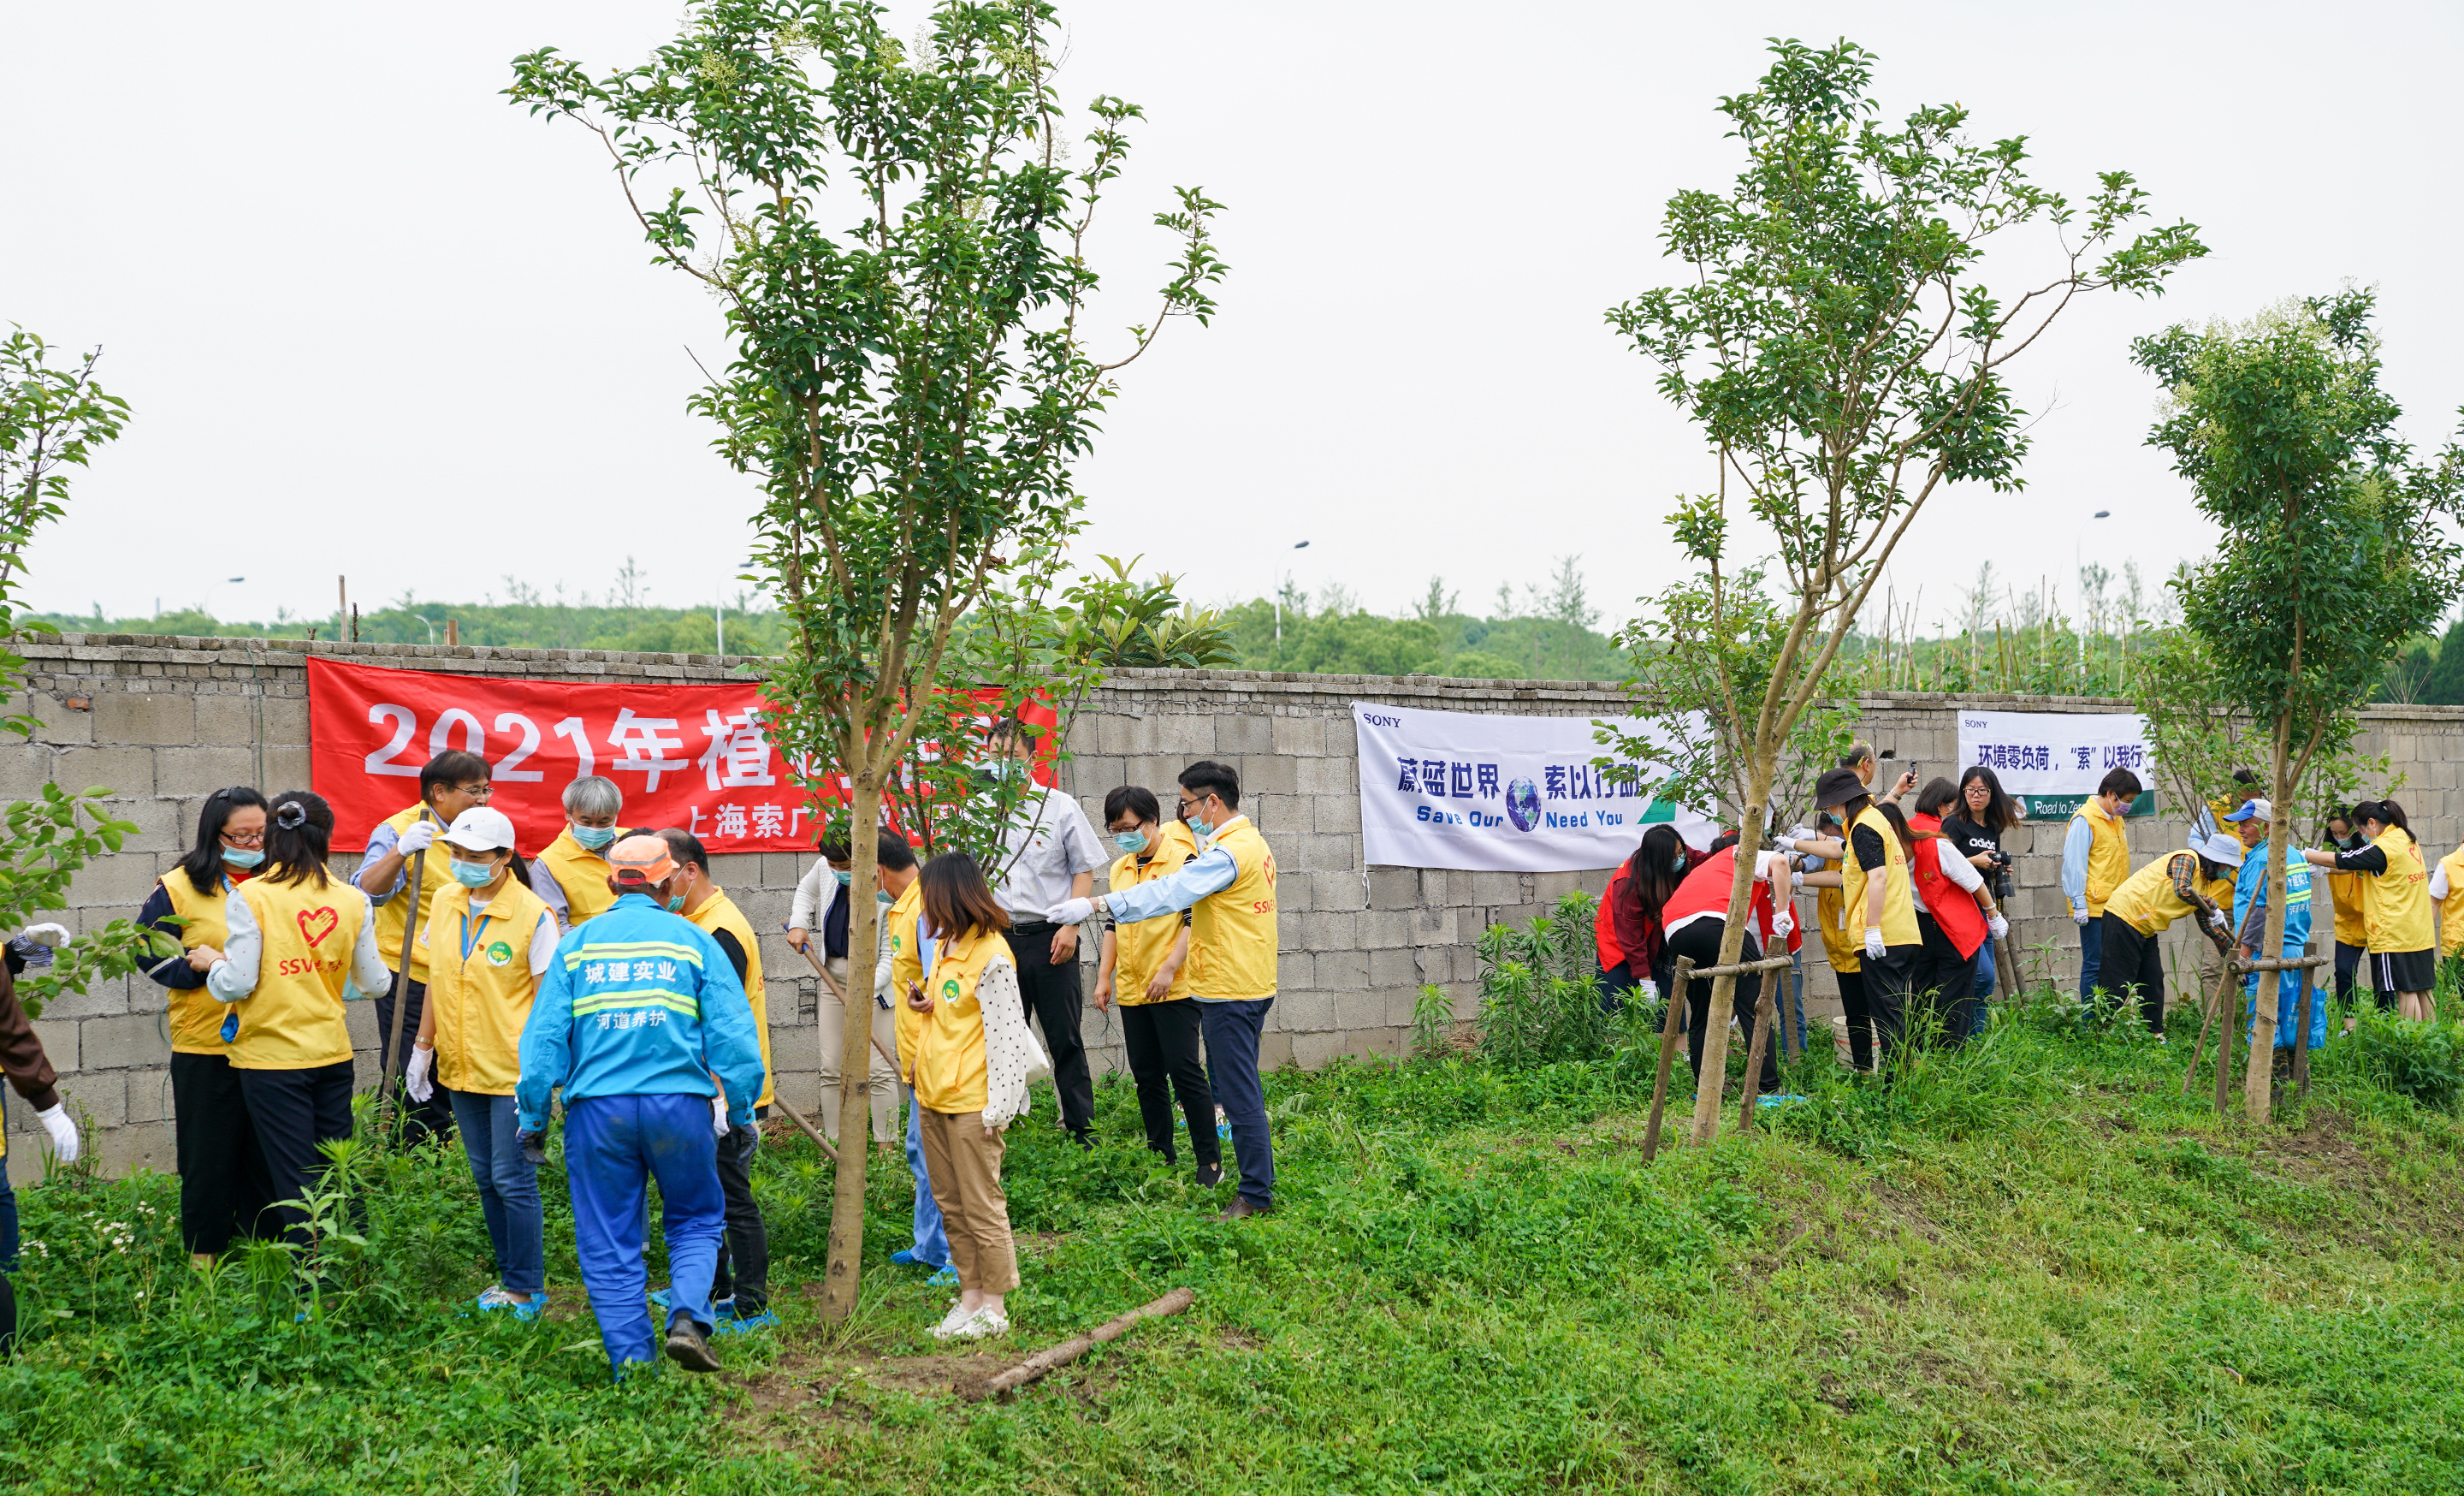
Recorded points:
(299, 939)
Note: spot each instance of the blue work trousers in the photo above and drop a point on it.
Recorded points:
(509, 1195)
(613, 1145)
(932, 1243)
(1232, 1029)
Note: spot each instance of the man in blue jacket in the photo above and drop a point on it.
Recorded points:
(2249, 920)
(637, 1013)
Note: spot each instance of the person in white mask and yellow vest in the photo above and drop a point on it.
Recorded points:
(223, 1187)
(1229, 891)
(1877, 902)
(1145, 968)
(448, 784)
(571, 875)
(299, 941)
(488, 941)
(2400, 932)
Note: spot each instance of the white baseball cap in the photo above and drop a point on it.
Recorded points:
(480, 829)
(2253, 808)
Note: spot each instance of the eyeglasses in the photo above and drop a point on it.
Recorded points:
(478, 791)
(243, 838)
(1188, 805)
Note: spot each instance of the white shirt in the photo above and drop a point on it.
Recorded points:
(234, 977)
(1051, 842)
(817, 893)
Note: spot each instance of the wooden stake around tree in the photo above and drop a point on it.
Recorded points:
(1675, 994)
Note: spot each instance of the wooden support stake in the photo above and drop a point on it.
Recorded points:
(2301, 1036)
(824, 972)
(1043, 1362)
(2225, 1027)
(1675, 994)
(1753, 1087)
(2199, 1045)
(810, 1131)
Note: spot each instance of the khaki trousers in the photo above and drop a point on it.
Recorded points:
(881, 1091)
(964, 1167)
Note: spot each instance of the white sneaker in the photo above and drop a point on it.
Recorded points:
(984, 1323)
(951, 1322)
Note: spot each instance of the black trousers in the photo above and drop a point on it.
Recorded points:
(1943, 990)
(1861, 1023)
(1162, 1040)
(1701, 940)
(224, 1186)
(2351, 962)
(2134, 962)
(292, 1111)
(743, 1270)
(1052, 1000)
(421, 1120)
(1883, 984)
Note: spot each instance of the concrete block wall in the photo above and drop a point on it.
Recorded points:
(164, 722)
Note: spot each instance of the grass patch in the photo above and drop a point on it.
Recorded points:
(2031, 1267)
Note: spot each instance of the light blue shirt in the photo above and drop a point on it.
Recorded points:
(2250, 900)
(2075, 850)
(1210, 872)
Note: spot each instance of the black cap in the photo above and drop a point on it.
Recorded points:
(1838, 787)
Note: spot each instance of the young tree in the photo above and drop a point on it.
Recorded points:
(1845, 360)
(900, 248)
(2333, 557)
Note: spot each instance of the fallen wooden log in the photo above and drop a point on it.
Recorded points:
(1043, 1362)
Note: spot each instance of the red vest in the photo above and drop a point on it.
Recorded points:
(1604, 923)
(1705, 891)
(1952, 907)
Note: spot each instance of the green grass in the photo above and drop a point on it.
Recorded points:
(2029, 1267)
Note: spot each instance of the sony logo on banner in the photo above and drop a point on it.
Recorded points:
(1375, 720)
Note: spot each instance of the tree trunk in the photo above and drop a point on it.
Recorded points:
(2259, 1078)
(1714, 1079)
(839, 1287)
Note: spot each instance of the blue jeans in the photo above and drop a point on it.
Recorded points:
(612, 1145)
(932, 1246)
(2091, 957)
(1986, 970)
(1232, 1029)
(509, 1196)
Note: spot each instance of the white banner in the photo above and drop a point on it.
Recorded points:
(2053, 761)
(1494, 794)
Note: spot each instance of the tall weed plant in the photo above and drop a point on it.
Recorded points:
(1538, 988)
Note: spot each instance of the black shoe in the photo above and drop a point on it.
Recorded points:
(1209, 1176)
(1084, 1138)
(687, 1348)
(1241, 1207)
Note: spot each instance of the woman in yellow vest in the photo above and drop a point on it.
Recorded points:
(2096, 858)
(740, 1291)
(223, 1186)
(2195, 881)
(571, 876)
(2447, 894)
(2345, 893)
(963, 1044)
(2397, 926)
(487, 942)
(1879, 898)
(1147, 964)
(448, 784)
(299, 941)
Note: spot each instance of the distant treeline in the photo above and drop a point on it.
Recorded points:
(675, 631)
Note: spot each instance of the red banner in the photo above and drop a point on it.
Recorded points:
(687, 755)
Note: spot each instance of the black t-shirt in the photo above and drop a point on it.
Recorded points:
(1968, 836)
(1867, 844)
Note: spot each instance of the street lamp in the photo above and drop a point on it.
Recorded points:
(1277, 588)
(208, 606)
(2078, 572)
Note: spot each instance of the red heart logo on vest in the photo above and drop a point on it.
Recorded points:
(318, 924)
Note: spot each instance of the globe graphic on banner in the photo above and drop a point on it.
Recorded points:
(1523, 804)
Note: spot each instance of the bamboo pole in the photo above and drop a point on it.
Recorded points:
(1675, 993)
(1043, 1362)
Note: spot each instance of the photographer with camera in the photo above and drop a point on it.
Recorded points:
(1974, 825)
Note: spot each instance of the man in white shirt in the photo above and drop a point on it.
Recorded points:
(1049, 857)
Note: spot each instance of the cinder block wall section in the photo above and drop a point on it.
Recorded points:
(166, 721)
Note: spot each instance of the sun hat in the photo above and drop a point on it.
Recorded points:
(2223, 848)
(1838, 787)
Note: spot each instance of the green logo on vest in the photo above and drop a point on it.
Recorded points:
(499, 953)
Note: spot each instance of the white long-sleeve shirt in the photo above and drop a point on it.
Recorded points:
(1954, 866)
(1010, 1051)
(817, 893)
(234, 977)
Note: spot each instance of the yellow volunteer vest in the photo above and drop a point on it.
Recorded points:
(1140, 949)
(898, 929)
(2450, 910)
(948, 1066)
(1232, 940)
(196, 1016)
(480, 986)
(391, 915)
(294, 1019)
(582, 875)
(2108, 855)
(2395, 904)
(1831, 912)
(2147, 902)
(718, 913)
(2345, 891)
(1899, 895)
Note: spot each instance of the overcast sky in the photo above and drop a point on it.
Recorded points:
(374, 319)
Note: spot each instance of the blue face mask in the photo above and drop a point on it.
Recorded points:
(847, 880)
(243, 857)
(594, 838)
(474, 875)
(1129, 841)
(676, 905)
(882, 896)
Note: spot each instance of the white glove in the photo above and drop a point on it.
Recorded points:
(63, 1131)
(2079, 916)
(1874, 945)
(1072, 911)
(2216, 918)
(54, 936)
(1782, 921)
(415, 837)
(1649, 988)
(415, 1076)
(1801, 832)
(718, 1116)
(1797, 880)
(1996, 923)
